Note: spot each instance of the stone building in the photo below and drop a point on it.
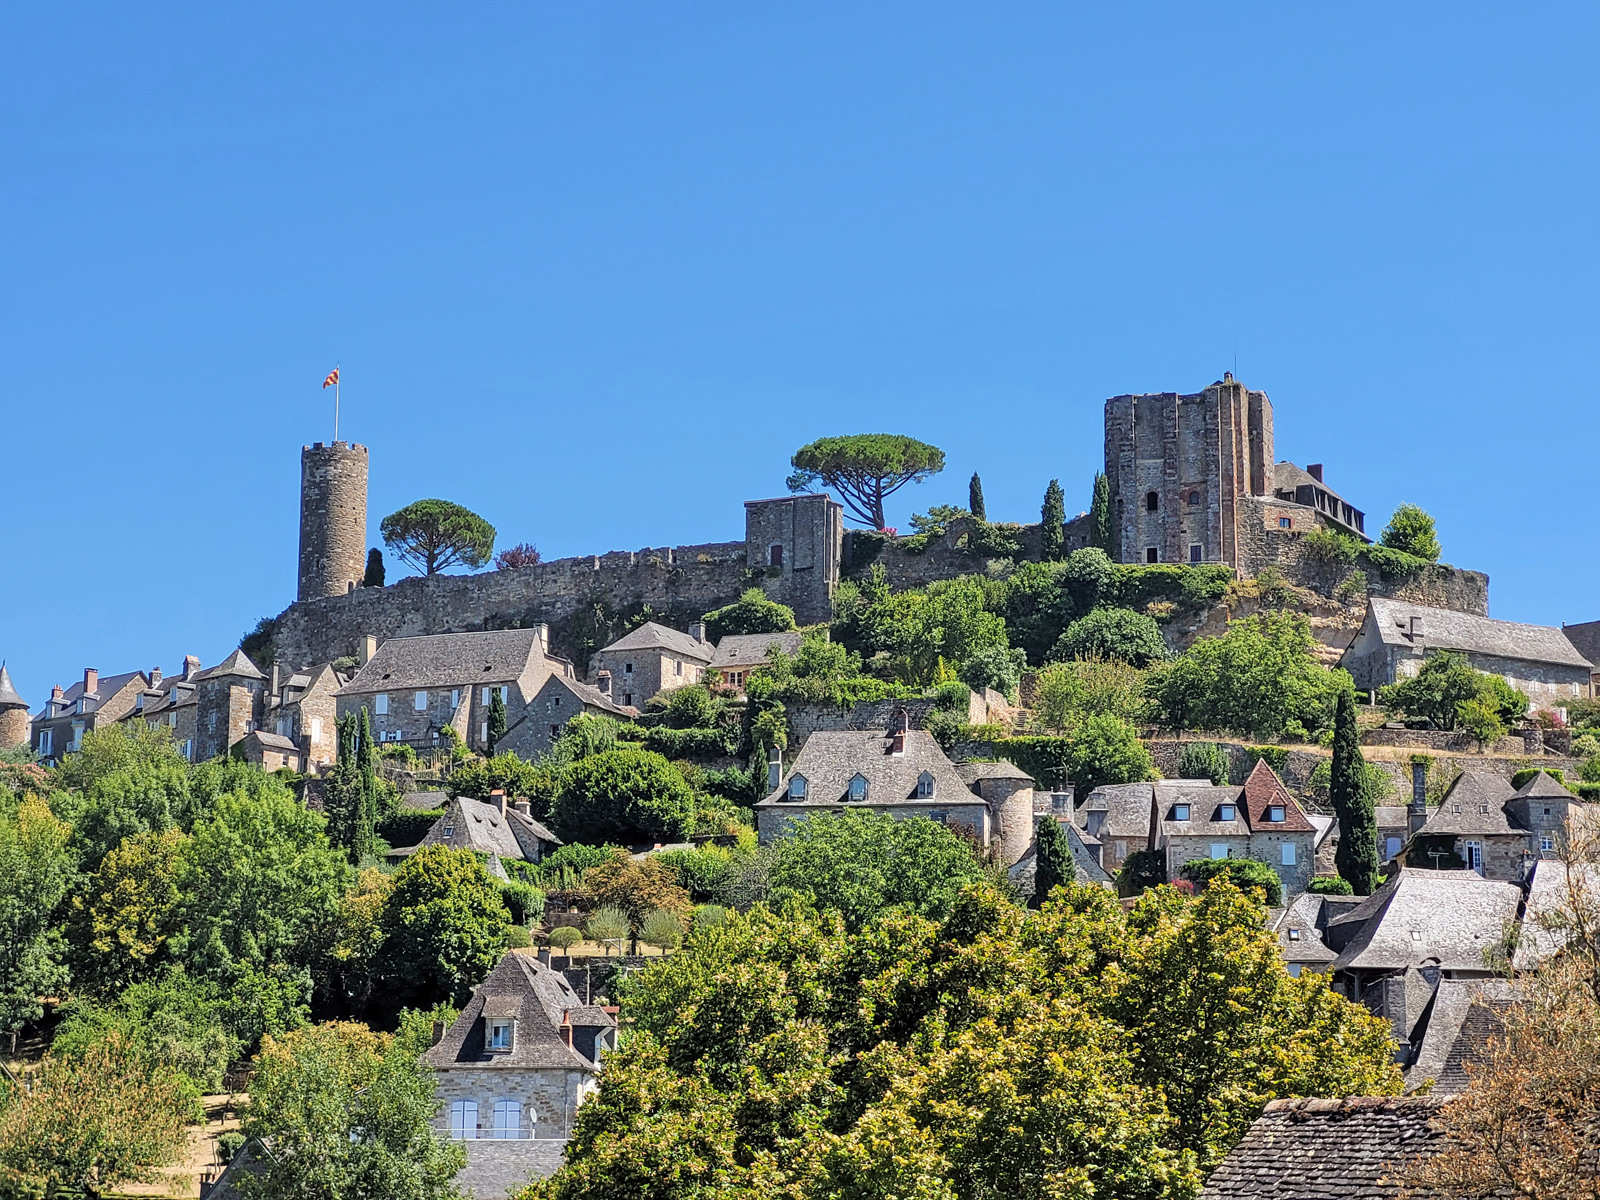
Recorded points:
(650, 660)
(558, 700)
(1585, 639)
(170, 702)
(302, 706)
(901, 772)
(93, 702)
(740, 653)
(798, 541)
(1397, 636)
(229, 698)
(492, 828)
(269, 751)
(1193, 480)
(512, 1070)
(1493, 829)
(333, 519)
(15, 722)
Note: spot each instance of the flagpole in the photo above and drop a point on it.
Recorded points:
(335, 402)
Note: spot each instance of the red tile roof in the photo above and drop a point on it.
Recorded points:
(1264, 790)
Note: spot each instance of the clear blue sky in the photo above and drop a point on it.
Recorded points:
(595, 270)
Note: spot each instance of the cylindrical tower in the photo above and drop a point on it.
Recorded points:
(333, 519)
(15, 723)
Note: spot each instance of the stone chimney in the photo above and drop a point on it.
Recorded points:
(774, 770)
(91, 681)
(155, 677)
(602, 681)
(191, 667)
(498, 799)
(438, 1033)
(1315, 471)
(543, 632)
(57, 699)
(524, 808)
(1414, 629)
(365, 649)
(897, 735)
(566, 1027)
(1417, 812)
(276, 683)
(698, 631)
(544, 955)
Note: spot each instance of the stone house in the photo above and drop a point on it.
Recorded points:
(1494, 829)
(650, 660)
(1120, 818)
(15, 721)
(491, 828)
(303, 707)
(902, 772)
(558, 700)
(228, 698)
(171, 702)
(269, 751)
(413, 687)
(1585, 639)
(738, 654)
(1085, 858)
(1397, 636)
(512, 1070)
(93, 702)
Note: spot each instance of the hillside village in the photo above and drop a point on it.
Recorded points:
(589, 852)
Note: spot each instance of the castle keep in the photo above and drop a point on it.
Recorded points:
(333, 519)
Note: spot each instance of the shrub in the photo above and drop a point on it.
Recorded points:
(1325, 547)
(709, 916)
(1330, 885)
(1102, 749)
(1112, 633)
(624, 795)
(946, 728)
(608, 924)
(564, 937)
(524, 901)
(1244, 873)
(1445, 683)
(1066, 693)
(699, 872)
(1411, 531)
(1141, 870)
(1203, 760)
(523, 554)
(408, 826)
(1589, 772)
(662, 929)
(1276, 757)
(996, 667)
(518, 938)
(952, 697)
(753, 612)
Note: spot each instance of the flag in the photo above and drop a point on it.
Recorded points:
(332, 378)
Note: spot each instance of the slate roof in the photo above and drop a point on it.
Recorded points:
(537, 998)
(831, 758)
(1445, 629)
(1299, 931)
(272, 741)
(1475, 804)
(750, 649)
(1391, 816)
(1023, 872)
(1205, 801)
(236, 664)
(447, 660)
(423, 801)
(8, 693)
(1126, 807)
(105, 688)
(1287, 476)
(589, 695)
(1585, 639)
(1544, 786)
(651, 636)
(1328, 1149)
(971, 772)
(1419, 916)
(1549, 893)
(470, 824)
(1462, 1017)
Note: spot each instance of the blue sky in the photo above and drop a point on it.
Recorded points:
(596, 271)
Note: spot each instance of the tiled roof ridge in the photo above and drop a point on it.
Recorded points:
(1336, 1104)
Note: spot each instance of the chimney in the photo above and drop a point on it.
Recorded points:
(544, 955)
(191, 667)
(698, 631)
(1415, 630)
(155, 677)
(566, 1027)
(57, 699)
(1315, 471)
(774, 769)
(91, 680)
(277, 685)
(543, 632)
(602, 680)
(438, 1033)
(367, 647)
(498, 798)
(1417, 813)
(897, 736)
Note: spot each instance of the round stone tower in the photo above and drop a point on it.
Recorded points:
(14, 721)
(333, 519)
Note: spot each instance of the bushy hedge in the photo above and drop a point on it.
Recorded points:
(1244, 873)
(692, 743)
(1330, 885)
(408, 826)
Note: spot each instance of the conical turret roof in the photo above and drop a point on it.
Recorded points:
(8, 693)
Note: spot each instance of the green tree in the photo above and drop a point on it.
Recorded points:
(1244, 873)
(1101, 534)
(1357, 854)
(121, 921)
(434, 534)
(351, 794)
(624, 795)
(860, 863)
(35, 872)
(1479, 717)
(1119, 633)
(1411, 531)
(374, 573)
(497, 718)
(1053, 863)
(349, 1112)
(662, 929)
(1105, 749)
(1444, 683)
(865, 469)
(997, 667)
(1066, 693)
(943, 625)
(1052, 523)
(753, 612)
(92, 1122)
(608, 923)
(1203, 760)
(444, 928)
(975, 498)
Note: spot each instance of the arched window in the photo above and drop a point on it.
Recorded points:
(1194, 499)
(858, 788)
(797, 787)
(925, 786)
(1151, 502)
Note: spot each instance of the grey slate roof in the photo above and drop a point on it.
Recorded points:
(831, 758)
(1550, 893)
(1544, 785)
(105, 688)
(236, 664)
(651, 636)
(447, 660)
(1287, 476)
(273, 741)
(750, 649)
(1391, 816)
(538, 998)
(422, 801)
(1125, 808)
(1464, 1013)
(1585, 639)
(1299, 931)
(470, 824)
(1475, 804)
(8, 693)
(1328, 1149)
(1452, 917)
(1445, 629)
(1023, 872)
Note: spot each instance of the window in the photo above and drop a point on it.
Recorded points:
(488, 693)
(1196, 552)
(1180, 812)
(1288, 854)
(1152, 554)
(1416, 935)
(1294, 970)
(1483, 808)
(172, 720)
(627, 697)
(316, 728)
(925, 786)
(1218, 850)
(507, 1119)
(483, 731)
(1294, 935)
(858, 788)
(455, 699)
(500, 1033)
(1547, 843)
(446, 833)
(283, 726)
(1275, 812)
(627, 668)
(1455, 808)
(1152, 502)
(1285, 523)
(677, 666)
(1225, 812)
(420, 702)
(188, 749)
(380, 704)
(1122, 849)
(464, 1119)
(555, 732)
(1391, 847)
(775, 555)
(1194, 499)
(1474, 856)
(797, 787)
(44, 741)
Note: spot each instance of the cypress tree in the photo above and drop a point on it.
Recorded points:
(1052, 857)
(497, 719)
(342, 798)
(374, 574)
(1053, 519)
(364, 840)
(1357, 856)
(1100, 515)
(975, 498)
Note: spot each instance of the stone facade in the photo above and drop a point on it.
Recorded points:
(333, 519)
(14, 719)
(798, 542)
(93, 702)
(229, 701)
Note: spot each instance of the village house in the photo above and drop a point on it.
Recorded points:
(91, 703)
(302, 707)
(650, 660)
(171, 702)
(1494, 829)
(512, 1069)
(269, 751)
(414, 687)
(492, 828)
(1085, 857)
(558, 700)
(228, 698)
(1397, 636)
(738, 654)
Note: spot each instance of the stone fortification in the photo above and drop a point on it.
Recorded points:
(333, 519)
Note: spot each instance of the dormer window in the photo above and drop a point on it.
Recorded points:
(1225, 812)
(1275, 813)
(1294, 935)
(858, 788)
(797, 787)
(1180, 812)
(925, 786)
(1483, 808)
(1455, 808)
(500, 1030)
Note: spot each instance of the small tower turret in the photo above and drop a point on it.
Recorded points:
(15, 724)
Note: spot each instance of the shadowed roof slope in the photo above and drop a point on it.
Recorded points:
(1420, 915)
(750, 649)
(1446, 629)
(8, 693)
(1481, 800)
(540, 1000)
(651, 636)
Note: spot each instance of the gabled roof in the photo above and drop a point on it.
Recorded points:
(831, 758)
(470, 824)
(1288, 476)
(1205, 800)
(1585, 639)
(750, 649)
(1462, 1016)
(1475, 804)
(423, 801)
(651, 636)
(447, 660)
(1422, 916)
(1299, 930)
(236, 664)
(272, 741)
(588, 694)
(8, 693)
(1264, 790)
(107, 687)
(540, 1001)
(1126, 807)
(1446, 629)
(1329, 1149)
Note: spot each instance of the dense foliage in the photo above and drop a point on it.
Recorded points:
(443, 928)
(753, 612)
(1411, 531)
(865, 469)
(624, 795)
(1246, 874)
(434, 534)
(1119, 633)
(1448, 692)
(1357, 854)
